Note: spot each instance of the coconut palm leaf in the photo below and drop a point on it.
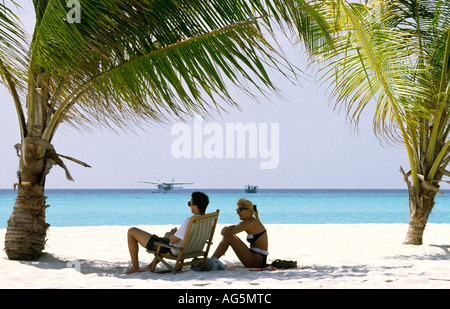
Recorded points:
(373, 59)
(429, 22)
(370, 59)
(12, 41)
(432, 19)
(12, 57)
(396, 55)
(129, 60)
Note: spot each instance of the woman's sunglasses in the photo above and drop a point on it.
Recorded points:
(240, 209)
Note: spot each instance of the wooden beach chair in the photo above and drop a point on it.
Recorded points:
(199, 233)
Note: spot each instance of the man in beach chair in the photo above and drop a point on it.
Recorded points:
(199, 233)
(198, 203)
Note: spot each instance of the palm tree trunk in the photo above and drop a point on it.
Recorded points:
(420, 207)
(26, 231)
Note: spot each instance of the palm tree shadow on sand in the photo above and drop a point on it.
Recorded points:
(84, 266)
(360, 272)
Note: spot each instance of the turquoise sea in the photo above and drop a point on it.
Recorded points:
(95, 207)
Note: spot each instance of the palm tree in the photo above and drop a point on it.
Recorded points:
(394, 54)
(119, 64)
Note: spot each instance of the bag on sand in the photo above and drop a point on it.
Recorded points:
(284, 264)
(212, 264)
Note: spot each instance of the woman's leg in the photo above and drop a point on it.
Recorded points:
(136, 237)
(247, 257)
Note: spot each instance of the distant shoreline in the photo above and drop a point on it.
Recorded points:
(229, 189)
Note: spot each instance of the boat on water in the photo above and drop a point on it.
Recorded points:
(251, 189)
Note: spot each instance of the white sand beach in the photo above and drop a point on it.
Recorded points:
(335, 255)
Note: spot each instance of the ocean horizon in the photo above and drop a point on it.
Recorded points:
(129, 207)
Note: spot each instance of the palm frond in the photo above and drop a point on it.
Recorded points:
(12, 45)
(394, 54)
(370, 60)
(129, 60)
(13, 60)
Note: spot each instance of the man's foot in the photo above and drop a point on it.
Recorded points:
(147, 268)
(132, 271)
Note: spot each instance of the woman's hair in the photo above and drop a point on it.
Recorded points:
(244, 203)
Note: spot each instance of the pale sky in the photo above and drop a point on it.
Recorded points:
(317, 147)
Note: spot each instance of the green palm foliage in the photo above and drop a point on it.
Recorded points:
(134, 59)
(394, 54)
(12, 55)
(120, 63)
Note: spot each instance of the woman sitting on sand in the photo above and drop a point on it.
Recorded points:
(256, 255)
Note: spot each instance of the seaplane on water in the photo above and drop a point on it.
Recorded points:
(166, 186)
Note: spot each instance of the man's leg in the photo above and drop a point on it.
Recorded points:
(136, 237)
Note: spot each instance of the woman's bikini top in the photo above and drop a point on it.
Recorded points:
(252, 238)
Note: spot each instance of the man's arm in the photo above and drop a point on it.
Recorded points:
(179, 234)
(172, 239)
